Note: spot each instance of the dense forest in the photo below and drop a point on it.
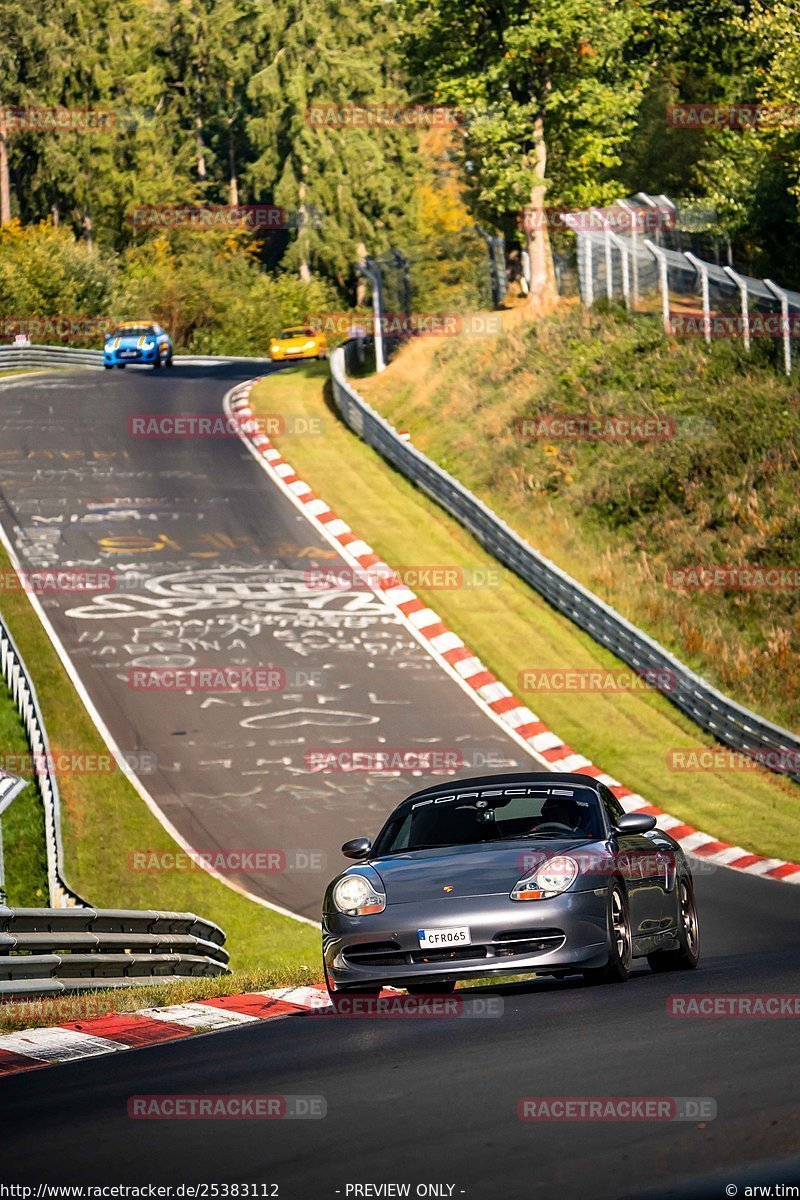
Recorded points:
(195, 104)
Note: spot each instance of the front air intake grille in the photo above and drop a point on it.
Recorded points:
(527, 941)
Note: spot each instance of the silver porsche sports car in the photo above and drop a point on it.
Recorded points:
(531, 872)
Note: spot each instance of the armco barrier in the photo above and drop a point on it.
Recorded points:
(24, 695)
(25, 357)
(48, 951)
(719, 716)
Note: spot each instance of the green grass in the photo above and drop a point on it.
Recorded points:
(23, 822)
(512, 628)
(618, 516)
(104, 819)
(33, 1013)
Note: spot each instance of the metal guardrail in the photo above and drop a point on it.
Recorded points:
(23, 692)
(728, 722)
(24, 357)
(45, 951)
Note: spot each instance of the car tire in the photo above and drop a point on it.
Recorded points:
(120, 366)
(620, 939)
(430, 989)
(168, 361)
(157, 363)
(108, 366)
(686, 955)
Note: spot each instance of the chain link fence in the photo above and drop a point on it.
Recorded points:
(635, 251)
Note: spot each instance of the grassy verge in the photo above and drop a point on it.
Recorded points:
(28, 1014)
(24, 847)
(623, 516)
(512, 629)
(104, 819)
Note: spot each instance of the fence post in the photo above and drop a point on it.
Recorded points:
(780, 294)
(371, 268)
(589, 269)
(634, 250)
(702, 270)
(742, 286)
(663, 279)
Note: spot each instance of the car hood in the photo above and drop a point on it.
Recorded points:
(468, 870)
(134, 342)
(296, 341)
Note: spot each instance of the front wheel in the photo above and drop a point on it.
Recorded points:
(156, 363)
(620, 940)
(168, 361)
(687, 954)
(108, 366)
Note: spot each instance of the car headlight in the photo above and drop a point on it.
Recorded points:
(148, 345)
(308, 346)
(549, 879)
(355, 896)
(109, 347)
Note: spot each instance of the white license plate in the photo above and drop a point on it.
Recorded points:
(438, 939)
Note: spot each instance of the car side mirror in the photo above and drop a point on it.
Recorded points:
(357, 848)
(635, 823)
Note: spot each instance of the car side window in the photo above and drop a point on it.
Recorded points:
(611, 804)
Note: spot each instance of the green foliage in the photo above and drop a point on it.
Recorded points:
(45, 271)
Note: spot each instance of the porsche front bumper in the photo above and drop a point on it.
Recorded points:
(568, 931)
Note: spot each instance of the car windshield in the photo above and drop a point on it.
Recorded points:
(290, 333)
(134, 331)
(494, 815)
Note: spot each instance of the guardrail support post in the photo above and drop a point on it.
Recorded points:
(663, 279)
(780, 295)
(745, 314)
(702, 270)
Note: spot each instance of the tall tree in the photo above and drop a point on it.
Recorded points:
(551, 89)
(347, 184)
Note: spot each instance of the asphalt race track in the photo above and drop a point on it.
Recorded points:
(213, 566)
(423, 1101)
(434, 1100)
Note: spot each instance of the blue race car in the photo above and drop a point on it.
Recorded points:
(137, 342)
